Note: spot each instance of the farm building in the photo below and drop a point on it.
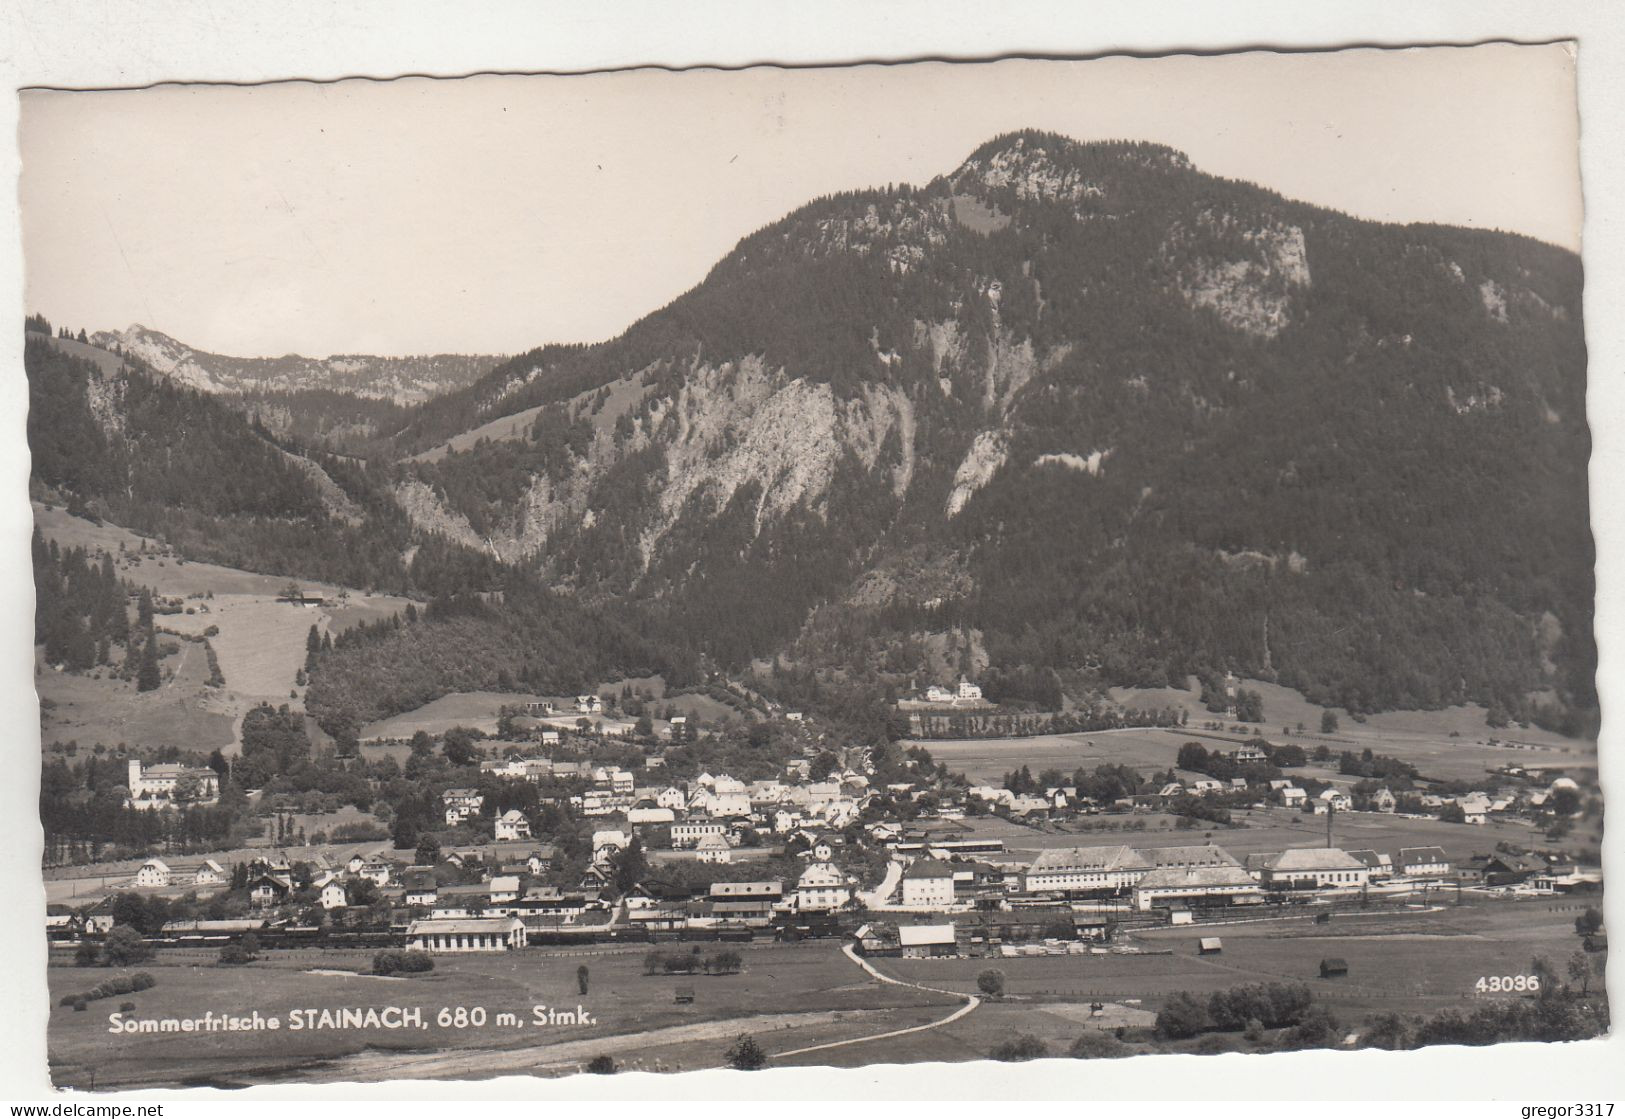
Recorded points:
(922, 941)
(1333, 967)
(1209, 946)
(1306, 868)
(1197, 886)
(467, 934)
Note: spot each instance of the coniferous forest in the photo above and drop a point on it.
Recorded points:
(1121, 421)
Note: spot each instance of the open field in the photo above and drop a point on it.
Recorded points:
(475, 710)
(183, 712)
(1411, 961)
(635, 1017)
(260, 646)
(1265, 829)
(986, 760)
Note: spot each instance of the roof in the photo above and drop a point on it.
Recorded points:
(1204, 854)
(1194, 877)
(1211, 944)
(928, 868)
(1314, 858)
(1422, 855)
(1373, 859)
(925, 934)
(1074, 859)
(712, 842)
(462, 925)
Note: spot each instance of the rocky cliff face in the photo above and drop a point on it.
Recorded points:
(1089, 363)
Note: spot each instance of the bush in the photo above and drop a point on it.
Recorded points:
(1095, 1044)
(1182, 1016)
(745, 1055)
(141, 981)
(1022, 1047)
(1318, 1030)
(602, 1065)
(991, 983)
(409, 962)
(235, 954)
(87, 954)
(126, 1006)
(1209, 1044)
(124, 946)
(79, 1004)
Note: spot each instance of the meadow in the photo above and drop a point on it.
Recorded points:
(636, 1017)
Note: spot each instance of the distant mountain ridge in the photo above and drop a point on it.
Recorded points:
(1138, 420)
(400, 380)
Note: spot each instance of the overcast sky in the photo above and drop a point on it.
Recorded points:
(493, 214)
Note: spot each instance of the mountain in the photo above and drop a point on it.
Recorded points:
(112, 438)
(400, 380)
(1089, 414)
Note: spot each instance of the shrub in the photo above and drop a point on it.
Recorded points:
(409, 962)
(1317, 1030)
(124, 946)
(234, 954)
(140, 981)
(87, 954)
(1213, 1043)
(602, 1065)
(991, 983)
(1182, 1016)
(1022, 1047)
(126, 1006)
(79, 1004)
(1098, 1045)
(745, 1055)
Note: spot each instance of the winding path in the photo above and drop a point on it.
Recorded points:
(971, 1003)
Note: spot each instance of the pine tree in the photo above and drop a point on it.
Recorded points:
(149, 677)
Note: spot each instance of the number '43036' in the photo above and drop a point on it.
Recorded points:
(1495, 984)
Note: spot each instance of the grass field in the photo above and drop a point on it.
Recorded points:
(260, 646)
(1146, 749)
(1265, 829)
(789, 995)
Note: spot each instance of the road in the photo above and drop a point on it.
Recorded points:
(876, 898)
(971, 1003)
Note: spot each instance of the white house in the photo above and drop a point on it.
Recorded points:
(690, 832)
(1316, 868)
(503, 888)
(713, 849)
(332, 895)
(512, 824)
(1423, 862)
(823, 886)
(210, 873)
(153, 872)
(461, 804)
(673, 798)
(158, 786)
(928, 884)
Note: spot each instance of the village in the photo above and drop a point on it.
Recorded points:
(927, 865)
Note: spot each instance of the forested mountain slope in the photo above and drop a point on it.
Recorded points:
(1112, 413)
